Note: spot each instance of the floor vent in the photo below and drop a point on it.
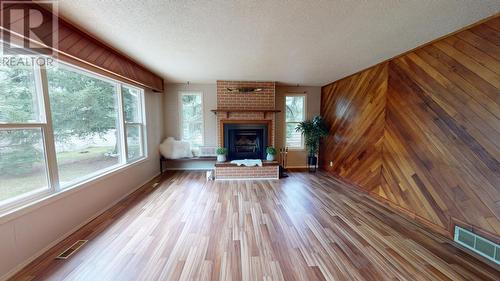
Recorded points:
(71, 250)
(478, 244)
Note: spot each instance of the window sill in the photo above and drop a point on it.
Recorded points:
(22, 209)
(298, 149)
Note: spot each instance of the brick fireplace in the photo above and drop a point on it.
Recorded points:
(245, 107)
(246, 126)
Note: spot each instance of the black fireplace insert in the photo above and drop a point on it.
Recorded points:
(245, 141)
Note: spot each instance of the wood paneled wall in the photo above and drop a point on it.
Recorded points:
(422, 131)
(355, 110)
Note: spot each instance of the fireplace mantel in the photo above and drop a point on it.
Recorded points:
(227, 111)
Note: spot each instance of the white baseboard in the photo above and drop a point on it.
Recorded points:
(22, 265)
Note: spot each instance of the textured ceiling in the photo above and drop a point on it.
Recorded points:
(296, 41)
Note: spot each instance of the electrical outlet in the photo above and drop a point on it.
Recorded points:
(331, 163)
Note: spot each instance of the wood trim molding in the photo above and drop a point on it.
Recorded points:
(229, 110)
(76, 46)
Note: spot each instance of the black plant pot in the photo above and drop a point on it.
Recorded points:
(312, 162)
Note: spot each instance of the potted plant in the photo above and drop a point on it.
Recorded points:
(312, 130)
(221, 154)
(271, 152)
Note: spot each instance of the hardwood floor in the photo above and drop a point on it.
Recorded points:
(305, 227)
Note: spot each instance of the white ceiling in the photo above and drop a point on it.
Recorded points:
(296, 41)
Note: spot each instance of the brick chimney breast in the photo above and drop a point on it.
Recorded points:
(229, 98)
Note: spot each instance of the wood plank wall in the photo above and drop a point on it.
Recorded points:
(355, 110)
(77, 47)
(422, 131)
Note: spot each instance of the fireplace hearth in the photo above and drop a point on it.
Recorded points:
(245, 141)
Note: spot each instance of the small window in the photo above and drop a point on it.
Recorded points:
(295, 113)
(191, 118)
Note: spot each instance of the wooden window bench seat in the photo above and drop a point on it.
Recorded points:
(189, 163)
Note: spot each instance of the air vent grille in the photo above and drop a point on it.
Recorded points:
(71, 250)
(477, 244)
(207, 151)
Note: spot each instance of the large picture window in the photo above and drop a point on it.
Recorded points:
(191, 118)
(61, 126)
(85, 121)
(295, 112)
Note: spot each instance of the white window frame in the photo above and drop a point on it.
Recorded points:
(181, 120)
(141, 123)
(285, 123)
(45, 125)
(122, 158)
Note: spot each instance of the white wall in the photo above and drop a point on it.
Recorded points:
(27, 233)
(172, 126)
(295, 158)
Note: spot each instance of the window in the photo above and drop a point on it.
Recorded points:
(191, 118)
(19, 98)
(23, 162)
(85, 121)
(134, 122)
(295, 113)
(95, 125)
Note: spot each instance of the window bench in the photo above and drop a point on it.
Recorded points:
(189, 163)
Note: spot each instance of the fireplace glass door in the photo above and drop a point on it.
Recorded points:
(245, 141)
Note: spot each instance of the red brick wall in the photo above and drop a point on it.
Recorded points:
(264, 172)
(258, 100)
(265, 99)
